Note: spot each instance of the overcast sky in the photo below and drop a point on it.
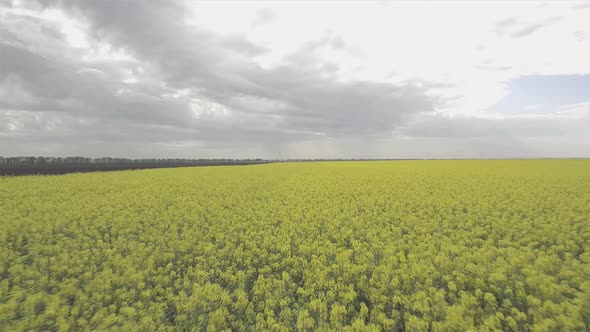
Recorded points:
(189, 79)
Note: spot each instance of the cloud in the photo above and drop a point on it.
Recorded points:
(174, 77)
(568, 122)
(514, 28)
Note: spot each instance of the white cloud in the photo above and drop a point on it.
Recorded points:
(475, 46)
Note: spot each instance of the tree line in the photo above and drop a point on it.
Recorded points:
(14, 166)
(77, 160)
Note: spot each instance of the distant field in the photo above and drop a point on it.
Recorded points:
(402, 245)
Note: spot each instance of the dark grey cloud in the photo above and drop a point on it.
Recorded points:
(61, 97)
(54, 86)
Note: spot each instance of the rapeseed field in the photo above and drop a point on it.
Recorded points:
(344, 246)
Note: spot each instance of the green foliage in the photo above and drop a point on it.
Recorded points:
(346, 246)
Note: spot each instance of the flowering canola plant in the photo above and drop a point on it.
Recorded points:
(344, 246)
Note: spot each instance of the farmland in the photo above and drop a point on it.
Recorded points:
(405, 245)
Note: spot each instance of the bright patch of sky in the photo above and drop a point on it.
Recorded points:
(544, 94)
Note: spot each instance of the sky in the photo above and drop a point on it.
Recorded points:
(384, 79)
